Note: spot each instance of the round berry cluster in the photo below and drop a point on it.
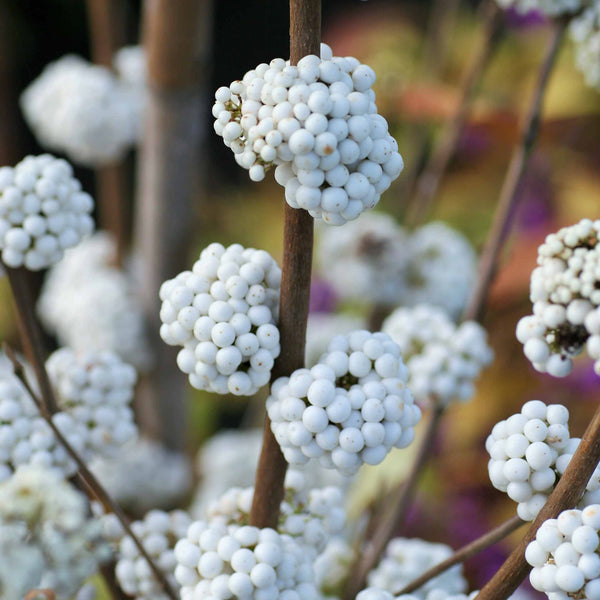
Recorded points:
(524, 450)
(47, 538)
(96, 389)
(42, 212)
(550, 8)
(83, 110)
(566, 301)
(27, 439)
(443, 359)
(103, 311)
(565, 555)
(376, 260)
(366, 260)
(374, 593)
(441, 268)
(585, 33)
(158, 532)
(144, 474)
(309, 516)
(222, 561)
(350, 408)
(333, 565)
(405, 559)
(223, 312)
(318, 124)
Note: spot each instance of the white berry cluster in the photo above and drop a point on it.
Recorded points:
(333, 565)
(223, 561)
(350, 408)
(566, 301)
(441, 268)
(405, 559)
(565, 555)
(96, 389)
(524, 450)
(43, 211)
(317, 123)
(374, 593)
(376, 260)
(158, 532)
(585, 33)
(83, 110)
(443, 359)
(223, 313)
(309, 516)
(551, 8)
(52, 542)
(90, 304)
(366, 260)
(27, 439)
(143, 474)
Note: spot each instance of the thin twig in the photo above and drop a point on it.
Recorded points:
(566, 494)
(482, 543)
(305, 38)
(429, 181)
(107, 34)
(30, 332)
(395, 516)
(509, 195)
(88, 478)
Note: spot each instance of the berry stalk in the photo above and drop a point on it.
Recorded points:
(430, 179)
(509, 195)
(107, 35)
(566, 495)
(471, 549)
(87, 479)
(168, 181)
(305, 38)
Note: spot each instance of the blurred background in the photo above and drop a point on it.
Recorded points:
(418, 89)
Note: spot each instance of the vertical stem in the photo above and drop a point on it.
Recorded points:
(566, 494)
(395, 516)
(30, 332)
(176, 34)
(107, 35)
(509, 194)
(305, 38)
(429, 181)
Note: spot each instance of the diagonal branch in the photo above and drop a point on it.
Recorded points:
(88, 479)
(305, 38)
(482, 543)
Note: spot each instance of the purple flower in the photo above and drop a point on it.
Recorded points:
(322, 297)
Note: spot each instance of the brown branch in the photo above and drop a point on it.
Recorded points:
(107, 34)
(88, 478)
(429, 181)
(30, 332)
(396, 513)
(566, 494)
(509, 195)
(40, 595)
(485, 541)
(305, 38)
(176, 39)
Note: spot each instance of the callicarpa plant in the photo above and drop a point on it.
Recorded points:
(99, 498)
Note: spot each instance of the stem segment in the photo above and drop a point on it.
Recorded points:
(30, 332)
(396, 513)
(88, 479)
(107, 35)
(509, 195)
(429, 181)
(305, 38)
(168, 182)
(471, 549)
(566, 494)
